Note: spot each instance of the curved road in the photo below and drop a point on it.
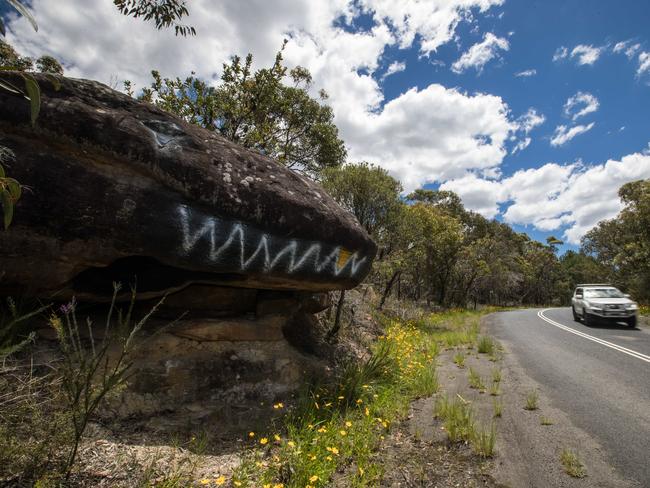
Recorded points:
(599, 375)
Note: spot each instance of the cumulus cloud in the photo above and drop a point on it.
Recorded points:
(582, 53)
(427, 134)
(573, 197)
(394, 67)
(564, 134)
(580, 104)
(526, 73)
(481, 53)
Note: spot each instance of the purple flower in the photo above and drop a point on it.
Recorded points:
(68, 307)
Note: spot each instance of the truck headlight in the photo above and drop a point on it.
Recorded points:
(631, 306)
(593, 306)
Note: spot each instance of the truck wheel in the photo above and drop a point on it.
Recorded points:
(586, 318)
(631, 322)
(576, 317)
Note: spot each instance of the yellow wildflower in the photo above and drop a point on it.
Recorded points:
(267, 485)
(322, 429)
(341, 397)
(367, 412)
(205, 481)
(329, 458)
(361, 471)
(220, 480)
(251, 434)
(291, 444)
(313, 478)
(278, 405)
(312, 457)
(237, 483)
(279, 485)
(348, 424)
(342, 432)
(277, 438)
(264, 441)
(359, 401)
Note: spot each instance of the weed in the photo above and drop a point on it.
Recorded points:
(483, 441)
(426, 382)
(572, 465)
(459, 359)
(485, 345)
(496, 375)
(532, 399)
(494, 389)
(498, 408)
(475, 380)
(545, 421)
(457, 417)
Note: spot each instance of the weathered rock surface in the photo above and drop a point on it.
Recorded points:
(118, 188)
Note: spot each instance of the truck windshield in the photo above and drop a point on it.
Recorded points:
(603, 293)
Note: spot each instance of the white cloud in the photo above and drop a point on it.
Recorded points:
(644, 63)
(434, 22)
(627, 47)
(580, 104)
(394, 67)
(427, 134)
(526, 123)
(564, 134)
(526, 73)
(560, 53)
(573, 197)
(481, 53)
(586, 54)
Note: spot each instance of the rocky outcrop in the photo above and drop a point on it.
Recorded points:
(119, 189)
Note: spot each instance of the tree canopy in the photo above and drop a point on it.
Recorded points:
(269, 110)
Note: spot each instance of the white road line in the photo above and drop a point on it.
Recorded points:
(624, 350)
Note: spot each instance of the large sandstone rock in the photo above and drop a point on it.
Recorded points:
(119, 188)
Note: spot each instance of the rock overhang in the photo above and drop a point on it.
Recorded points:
(114, 182)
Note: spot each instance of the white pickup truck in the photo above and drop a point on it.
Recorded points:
(601, 301)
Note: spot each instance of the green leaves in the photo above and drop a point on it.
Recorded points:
(10, 192)
(24, 12)
(33, 94)
(256, 109)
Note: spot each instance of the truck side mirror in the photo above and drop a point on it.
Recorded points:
(578, 295)
(627, 295)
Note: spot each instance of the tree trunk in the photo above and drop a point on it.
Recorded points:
(389, 286)
(337, 319)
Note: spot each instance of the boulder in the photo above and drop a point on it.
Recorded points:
(117, 189)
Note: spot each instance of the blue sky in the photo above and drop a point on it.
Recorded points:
(452, 111)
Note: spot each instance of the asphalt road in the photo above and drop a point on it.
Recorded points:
(598, 375)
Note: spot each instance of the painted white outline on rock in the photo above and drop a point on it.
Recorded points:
(616, 347)
(209, 226)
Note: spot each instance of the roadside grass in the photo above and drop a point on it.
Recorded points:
(494, 389)
(459, 359)
(532, 400)
(486, 345)
(459, 424)
(337, 428)
(475, 380)
(484, 440)
(497, 408)
(496, 375)
(545, 421)
(572, 464)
